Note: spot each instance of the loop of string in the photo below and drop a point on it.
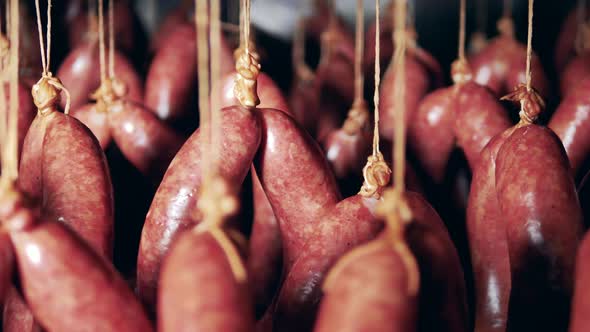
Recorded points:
(376, 173)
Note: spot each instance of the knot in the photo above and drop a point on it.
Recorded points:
(505, 26)
(376, 176)
(461, 71)
(216, 202)
(245, 88)
(120, 88)
(531, 103)
(357, 118)
(46, 93)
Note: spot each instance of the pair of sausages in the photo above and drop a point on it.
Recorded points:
(81, 75)
(370, 291)
(501, 65)
(67, 283)
(524, 223)
(467, 115)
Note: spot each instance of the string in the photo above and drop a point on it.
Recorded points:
(203, 86)
(215, 41)
(359, 44)
(461, 50)
(111, 41)
(529, 46)
(376, 101)
(399, 139)
(101, 42)
(12, 141)
(41, 44)
(247, 26)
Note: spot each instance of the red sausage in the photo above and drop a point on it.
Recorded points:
(168, 90)
(574, 73)
(6, 264)
(80, 73)
(174, 206)
(487, 242)
(304, 99)
(580, 318)
(268, 91)
(198, 291)
(97, 121)
(287, 149)
(345, 225)
(417, 85)
(63, 165)
(17, 315)
(565, 45)
(146, 142)
(347, 152)
(66, 283)
(335, 70)
(265, 259)
(369, 293)
(501, 66)
(543, 221)
(571, 124)
(172, 20)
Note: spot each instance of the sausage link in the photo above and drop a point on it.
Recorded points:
(487, 243)
(265, 254)
(67, 285)
(81, 75)
(287, 149)
(146, 142)
(574, 73)
(64, 167)
(17, 315)
(571, 124)
(174, 207)
(543, 221)
(96, 121)
(6, 264)
(580, 317)
(198, 291)
(347, 224)
(369, 293)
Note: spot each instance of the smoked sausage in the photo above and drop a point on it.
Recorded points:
(570, 123)
(173, 208)
(67, 284)
(575, 72)
(198, 291)
(580, 320)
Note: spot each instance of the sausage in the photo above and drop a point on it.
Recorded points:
(129, 36)
(58, 153)
(320, 20)
(265, 259)
(569, 122)
(368, 293)
(335, 70)
(417, 85)
(97, 121)
(198, 291)
(543, 227)
(488, 244)
(329, 115)
(304, 102)
(149, 144)
(347, 152)
(170, 22)
(501, 65)
(286, 149)
(80, 73)
(478, 118)
(565, 45)
(65, 282)
(579, 317)
(575, 72)
(17, 315)
(349, 223)
(168, 91)
(173, 208)
(6, 264)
